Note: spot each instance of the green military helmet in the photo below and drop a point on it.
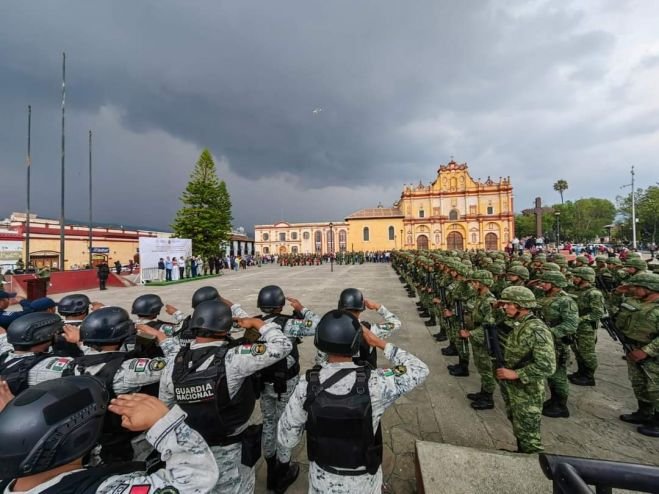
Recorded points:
(615, 261)
(601, 259)
(582, 260)
(460, 268)
(519, 295)
(646, 280)
(556, 278)
(540, 258)
(526, 257)
(560, 259)
(551, 266)
(637, 263)
(496, 268)
(585, 273)
(467, 263)
(520, 271)
(633, 255)
(516, 263)
(482, 276)
(486, 261)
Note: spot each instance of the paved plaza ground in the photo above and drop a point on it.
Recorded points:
(438, 410)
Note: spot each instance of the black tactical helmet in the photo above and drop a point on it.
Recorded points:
(73, 304)
(270, 297)
(211, 317)
(34, 328)
(106, 325)
(351, 299)
(204, 294)
(51, 424)
(147, 305)
(338, 333)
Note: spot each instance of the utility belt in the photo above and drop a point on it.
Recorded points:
(343, 473)
(279, 377)
(250, 440)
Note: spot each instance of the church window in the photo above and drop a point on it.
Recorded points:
(305, 235)
(343, 240)
(330, 241)
(453, 215)
(282, 237)
(366, 234)
(490, 210)
(392, 233)
(293, 235)
(421, 213)
(318, 239)
(266, 237)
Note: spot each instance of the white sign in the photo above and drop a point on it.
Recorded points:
(153, 249)
(10, 252)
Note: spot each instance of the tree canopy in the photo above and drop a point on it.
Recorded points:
(647, 215)
(561, 186)
(205, 216)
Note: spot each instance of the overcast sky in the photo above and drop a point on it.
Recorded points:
(538, 90)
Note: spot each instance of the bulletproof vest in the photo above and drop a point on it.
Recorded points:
(367, 355)
(86, 481)
(16, 371)
(185, 334)
(279, 372)
(114, 437)
(340, 427)
(204, 395)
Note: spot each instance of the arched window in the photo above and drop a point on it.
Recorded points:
(266, 237)
(453, 215)
(438, 238)
(294, 249)
(392, 233)
(293, 235)
(266, 250)
(343, 240)
(366, 234)
(305, 235)
(330, 241)
(318, 240)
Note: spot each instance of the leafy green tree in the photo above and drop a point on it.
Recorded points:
(647, 215)
(206, 213)
(591, 215)
(560, 186)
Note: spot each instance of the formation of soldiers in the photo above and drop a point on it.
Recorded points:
(93, 399)
(340, 258)
(522, 317)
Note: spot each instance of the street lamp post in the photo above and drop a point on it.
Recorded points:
(558, 230)
(331, 226)
(401, 239)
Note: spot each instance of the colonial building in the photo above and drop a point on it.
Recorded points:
(301, 238)
(453, 212)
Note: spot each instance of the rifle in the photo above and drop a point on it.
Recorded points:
(492, 344)
(459, 311)
(617, 335)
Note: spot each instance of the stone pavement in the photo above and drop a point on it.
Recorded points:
(438, 410)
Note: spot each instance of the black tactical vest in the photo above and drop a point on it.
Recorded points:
(367, 355)
(185, 334)
(62, 348)
(340, 427)
(279, 372)
(16, 371)
(204, 395)
(146, 346)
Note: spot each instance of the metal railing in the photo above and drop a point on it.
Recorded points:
(571, 475)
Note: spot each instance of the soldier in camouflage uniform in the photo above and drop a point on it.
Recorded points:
(639, 322)
(528, 358)
(560, 313)
(591, 309)
(499, 278)
(459, 294)
(481, 312)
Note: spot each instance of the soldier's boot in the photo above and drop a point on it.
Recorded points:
(557, 409)
(271, 476)
(419, 305)
(441, 336)
(641, 416)
(424, 314)
(462, 369)
(286, 474)
(431, 322)
(586, 379)
(476, 396)
(551, 400)
(450, 351)
(579, 371)
(485, 403)
(651, 428)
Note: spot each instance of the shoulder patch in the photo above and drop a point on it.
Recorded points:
(58, 365)
(167, 490)
(387, 372)
(308, 323)
(258, 349)
(387, 325)
(246, 349)
(399, 370)
(157, 364)
(139, 364)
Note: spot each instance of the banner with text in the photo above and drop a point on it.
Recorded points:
(153, 249)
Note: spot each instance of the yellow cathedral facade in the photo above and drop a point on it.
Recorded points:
(453, 212)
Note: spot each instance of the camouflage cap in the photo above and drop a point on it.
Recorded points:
(555, 278)
(482, 276)
(637, 263)
(520, 271)
(646, 280)
(519, 295)
(585, 273)
(551, 266)
(495, 268)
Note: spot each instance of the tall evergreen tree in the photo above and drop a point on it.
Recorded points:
(560, 186)
(206, 213)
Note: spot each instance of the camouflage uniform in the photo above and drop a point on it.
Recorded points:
(240, 363)
(529, 350)
(385, 387)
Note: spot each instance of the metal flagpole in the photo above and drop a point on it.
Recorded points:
(29, 163)
(90, 199)
(633, 212)
(61, 231)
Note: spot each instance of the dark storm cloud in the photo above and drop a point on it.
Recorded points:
(402, 86)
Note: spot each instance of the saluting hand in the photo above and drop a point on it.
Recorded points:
(138, 411)
(295, 303)
(170, 309)
(249, 322)
(71, 333)
(371, 340)
(148, 330)
(372, 305)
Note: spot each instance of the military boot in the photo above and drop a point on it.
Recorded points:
(450, 351)
(476, 396)
(557, 409)
(641, 416)
(286, 475)
(484, 403)
(579, 372)
(462, 369)
(431, 322)
(441, 336)
(585, 379)
(550, 401)
(419, 305)
(651, 428)
(271, 477)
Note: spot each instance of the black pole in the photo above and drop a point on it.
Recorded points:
(29, 166)
(90, 198)
(61, 230)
